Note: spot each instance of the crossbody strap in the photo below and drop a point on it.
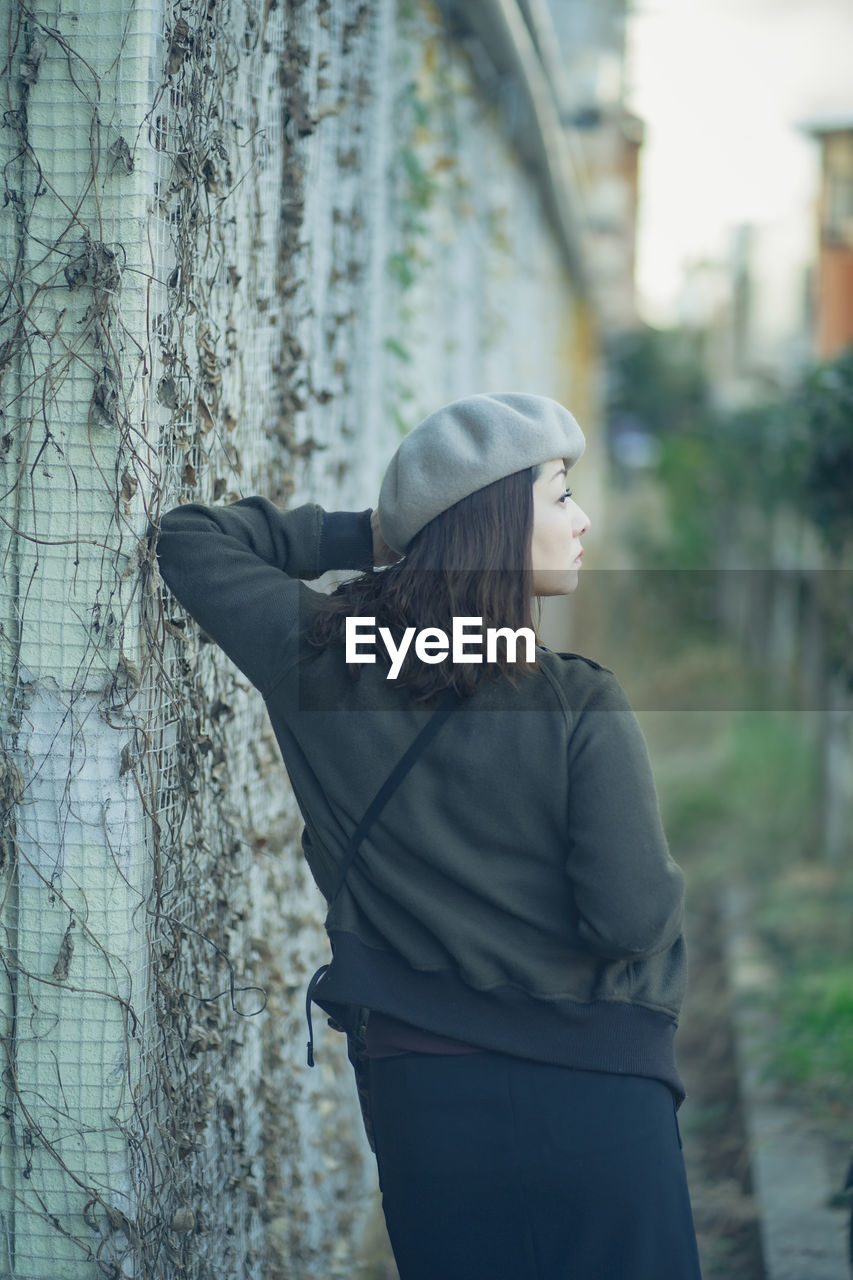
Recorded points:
(377, 804)
(391, 783)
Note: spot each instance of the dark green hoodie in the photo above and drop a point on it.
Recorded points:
(516, 892)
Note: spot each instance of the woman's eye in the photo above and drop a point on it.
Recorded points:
(567, 494)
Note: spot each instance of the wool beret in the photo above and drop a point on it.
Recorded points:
(464, 446)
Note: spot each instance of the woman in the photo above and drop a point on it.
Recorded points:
(512, 918)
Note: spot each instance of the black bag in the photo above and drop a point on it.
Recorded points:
(349, 1018)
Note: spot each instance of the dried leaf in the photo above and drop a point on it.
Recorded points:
(121, 157)
(66, 951)
(167, 392)
(205, 416)
(31, 64)
(183, 1220)
(103, 411)
(129, 485)
(178, 47)
(11, 780)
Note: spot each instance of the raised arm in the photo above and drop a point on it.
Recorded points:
(236, 570)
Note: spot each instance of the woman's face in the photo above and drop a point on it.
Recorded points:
(558, 523)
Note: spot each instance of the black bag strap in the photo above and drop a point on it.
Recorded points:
(391, 783)
(377, 804)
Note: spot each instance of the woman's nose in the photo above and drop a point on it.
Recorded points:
(581, 522)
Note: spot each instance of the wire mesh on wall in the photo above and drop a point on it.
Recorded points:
(145, 154)
(243, 247)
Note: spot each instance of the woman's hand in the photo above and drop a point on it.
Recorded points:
(382, 553)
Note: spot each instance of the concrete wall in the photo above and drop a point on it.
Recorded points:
(245, 248)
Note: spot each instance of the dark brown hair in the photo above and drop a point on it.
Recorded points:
(472, 560)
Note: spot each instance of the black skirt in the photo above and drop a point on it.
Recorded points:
(498, 1167)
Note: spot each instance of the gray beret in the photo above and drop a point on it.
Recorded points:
(464, 446)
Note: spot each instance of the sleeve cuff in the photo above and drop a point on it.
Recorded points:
(346, 540)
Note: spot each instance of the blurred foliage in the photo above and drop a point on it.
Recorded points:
(803, 920)
(748, 803)
(656, 378)
(687, 469)
(741, 789)
(804, 915)
(814, 1046)
(793, 451)
(828, 401)
(740, 800)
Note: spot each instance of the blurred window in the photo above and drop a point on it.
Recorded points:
(838, 222)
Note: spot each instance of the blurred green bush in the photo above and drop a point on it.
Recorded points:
(740, 789)
(791, 451)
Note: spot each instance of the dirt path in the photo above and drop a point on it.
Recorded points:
(711, 1123)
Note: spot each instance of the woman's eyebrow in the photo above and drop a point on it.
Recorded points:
(561, 472)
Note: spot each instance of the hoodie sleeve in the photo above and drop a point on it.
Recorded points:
(628, 891)
(236, 570)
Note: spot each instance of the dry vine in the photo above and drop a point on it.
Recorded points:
(175, 709)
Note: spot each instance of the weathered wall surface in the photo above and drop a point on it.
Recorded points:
(243, 248)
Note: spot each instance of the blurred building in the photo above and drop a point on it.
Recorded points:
(606, 138)
(752, 305)
(558, 66)
(833, 298)
(782, 296)
(580, 47)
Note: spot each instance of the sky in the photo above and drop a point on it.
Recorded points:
(721, 86)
